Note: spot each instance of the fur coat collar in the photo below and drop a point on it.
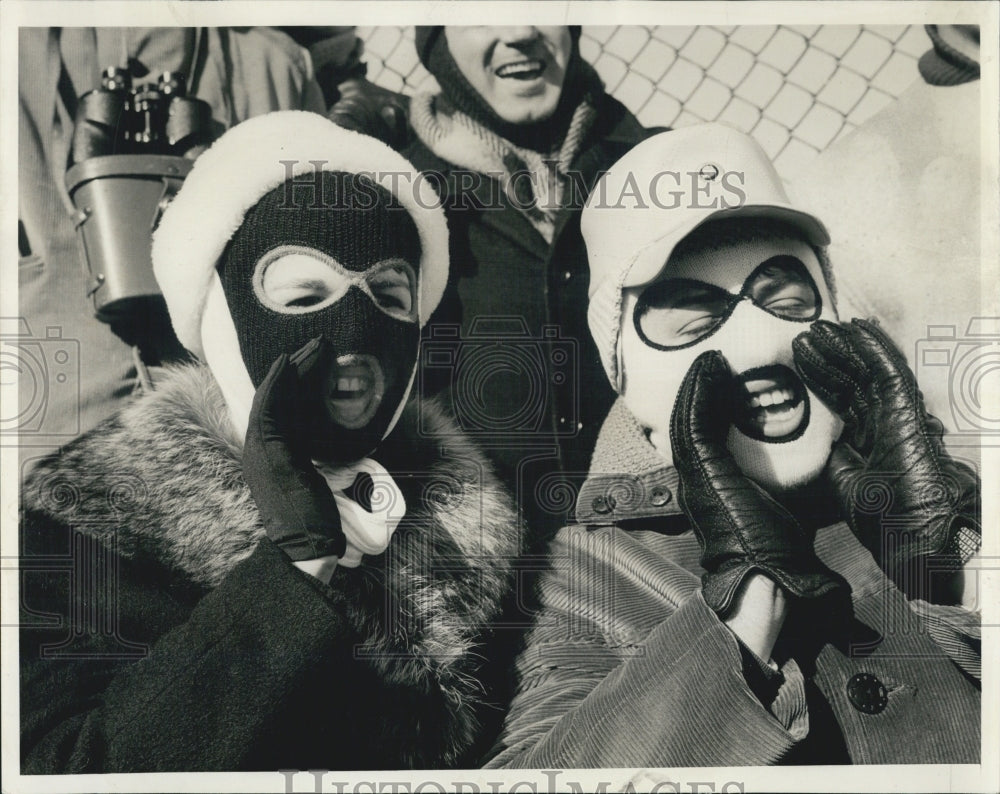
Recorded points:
(161, 482)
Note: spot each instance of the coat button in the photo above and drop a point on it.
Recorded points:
(603, 504)
(660, 496)
(567, 275)
(867, 694)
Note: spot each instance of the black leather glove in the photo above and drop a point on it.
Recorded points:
(740, 527)
(295, 503)
(912, 506)
(370, 109)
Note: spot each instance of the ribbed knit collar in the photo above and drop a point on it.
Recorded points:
(465, 143)
(462, 141)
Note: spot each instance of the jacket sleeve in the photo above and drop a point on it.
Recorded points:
(956, 626)
(956, 630)
(677, 697)
(259, 673)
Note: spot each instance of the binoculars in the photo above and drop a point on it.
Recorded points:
(131, 149)
(153, 118)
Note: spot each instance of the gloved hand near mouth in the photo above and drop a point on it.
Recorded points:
(912, 506)
(740, 527)
(295, 502)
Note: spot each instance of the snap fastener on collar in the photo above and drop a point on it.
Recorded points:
(660, 496)
(603, 504)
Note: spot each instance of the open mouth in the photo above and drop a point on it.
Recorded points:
(527, 69)
(356, 387)
(772, 403)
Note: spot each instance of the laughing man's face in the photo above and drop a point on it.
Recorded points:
(519, 70)
(749, 300)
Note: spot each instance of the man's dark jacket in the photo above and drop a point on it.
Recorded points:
(539, 426)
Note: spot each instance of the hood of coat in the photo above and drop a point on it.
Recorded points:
(161, 483)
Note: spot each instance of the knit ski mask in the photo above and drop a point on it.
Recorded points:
(747, 289)
(344, 267)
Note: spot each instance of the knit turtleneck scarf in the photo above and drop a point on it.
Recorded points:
(532, 160)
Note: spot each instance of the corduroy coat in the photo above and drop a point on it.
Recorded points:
(162, 631)
(628, 667)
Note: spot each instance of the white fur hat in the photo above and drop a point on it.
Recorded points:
(655, 196)
(250, 160)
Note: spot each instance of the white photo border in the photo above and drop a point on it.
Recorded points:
(930, 778)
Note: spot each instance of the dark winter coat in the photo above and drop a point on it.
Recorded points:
(628, 667)
(161, 629)
(518, 304)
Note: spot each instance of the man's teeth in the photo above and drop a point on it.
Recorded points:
(522, 67)
(772, 397)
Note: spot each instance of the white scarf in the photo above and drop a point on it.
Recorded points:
(367, 532)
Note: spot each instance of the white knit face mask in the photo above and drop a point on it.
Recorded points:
(748, 300)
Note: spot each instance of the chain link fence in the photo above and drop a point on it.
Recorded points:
(796, 89)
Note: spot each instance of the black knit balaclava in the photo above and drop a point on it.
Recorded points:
(356, 226)
(540, 136)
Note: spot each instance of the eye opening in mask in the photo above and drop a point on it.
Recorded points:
(783, 287)
(676, 313)
(393, 285)
(296, 279)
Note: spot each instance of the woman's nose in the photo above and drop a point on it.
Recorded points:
(753, 338)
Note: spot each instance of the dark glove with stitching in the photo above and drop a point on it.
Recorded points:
(912, 506)
(740, 527)
(370, 109)
(295, 503)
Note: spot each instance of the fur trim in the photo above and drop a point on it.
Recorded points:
(162, 482)
(251, 159)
